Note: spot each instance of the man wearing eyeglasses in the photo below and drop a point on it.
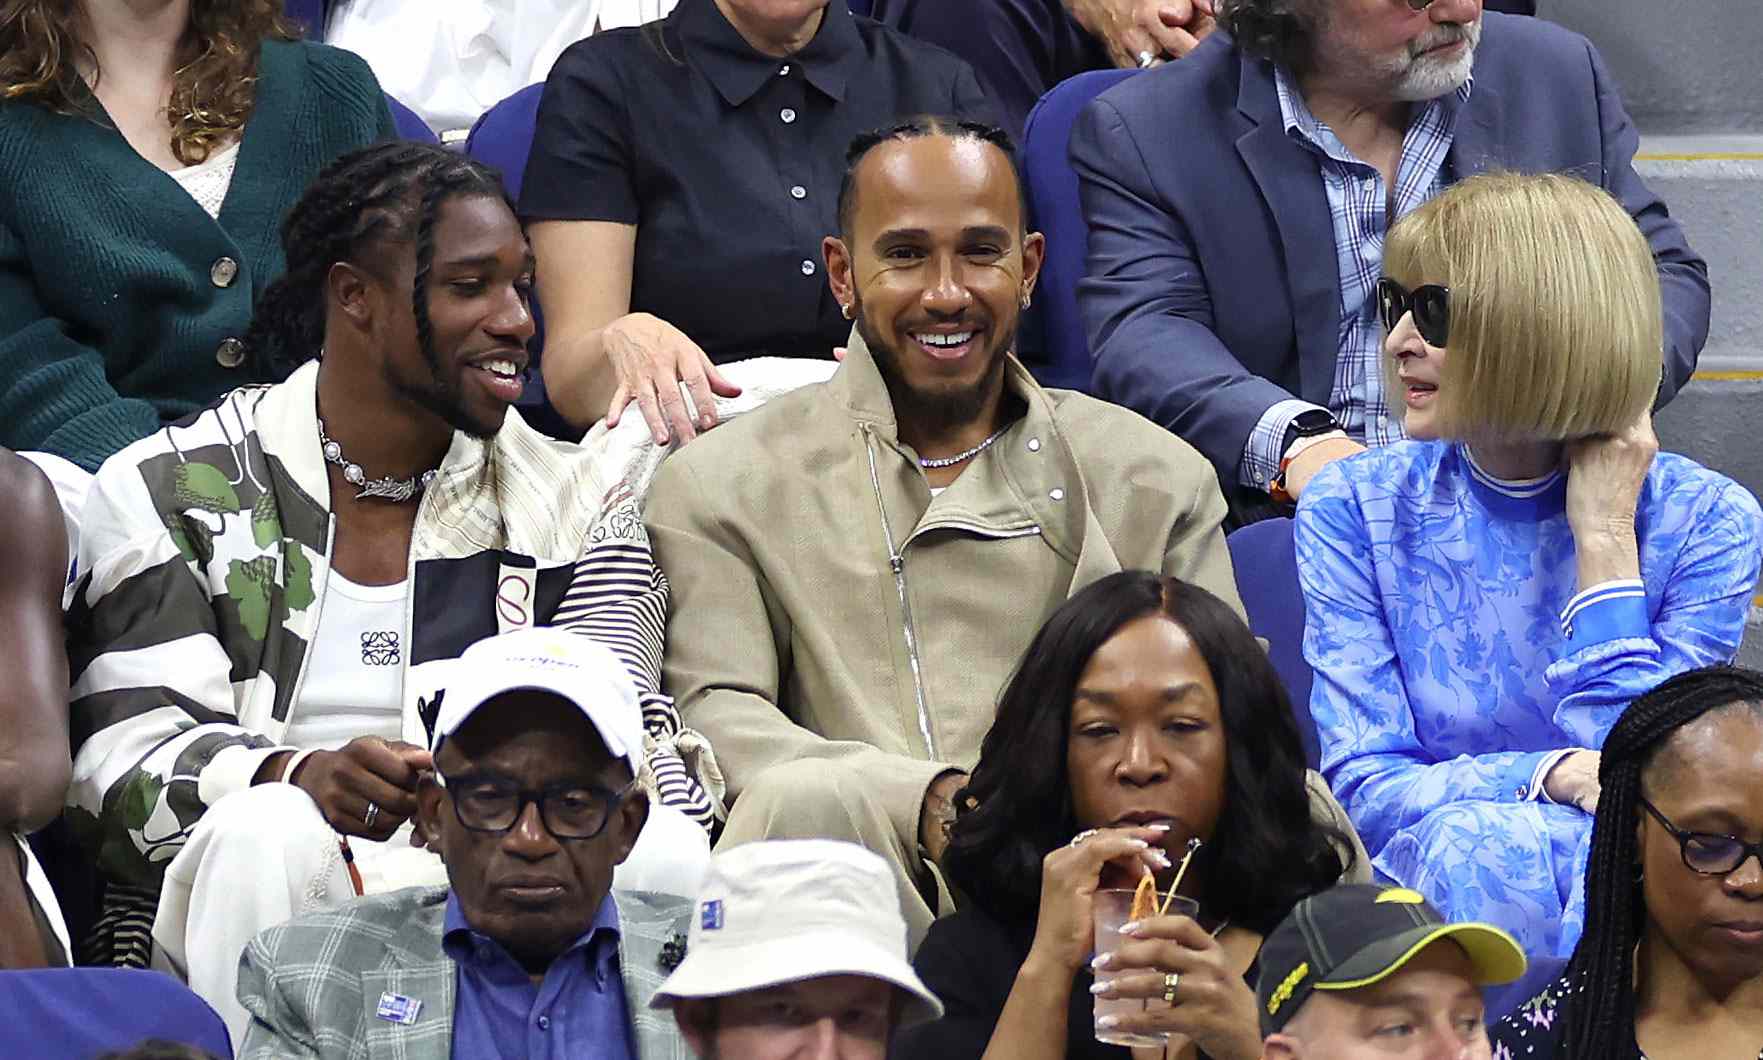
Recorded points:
(1237, 203)
(529, 951)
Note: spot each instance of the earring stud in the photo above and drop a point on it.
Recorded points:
(845, 310)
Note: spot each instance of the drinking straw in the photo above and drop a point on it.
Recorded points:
(1181, 870)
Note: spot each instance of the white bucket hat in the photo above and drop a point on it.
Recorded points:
(785, 910)
(547, 659)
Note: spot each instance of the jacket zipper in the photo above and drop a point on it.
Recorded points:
(897, 563)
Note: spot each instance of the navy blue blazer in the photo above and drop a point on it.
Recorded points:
(1212, 290)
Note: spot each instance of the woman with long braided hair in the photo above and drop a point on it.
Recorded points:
(147, 153)
(1671, 962)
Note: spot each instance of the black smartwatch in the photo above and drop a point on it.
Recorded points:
(1307, 424)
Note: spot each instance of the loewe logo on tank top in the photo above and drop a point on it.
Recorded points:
(379, 647)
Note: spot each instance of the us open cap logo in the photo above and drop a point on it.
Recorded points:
(710, 917)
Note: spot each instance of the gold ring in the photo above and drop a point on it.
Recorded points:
(1171, 980)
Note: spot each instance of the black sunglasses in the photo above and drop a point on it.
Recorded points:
(1430, 303)
(1707, 852)
(568, 811)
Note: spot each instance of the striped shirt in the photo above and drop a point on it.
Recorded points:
(1361, 210)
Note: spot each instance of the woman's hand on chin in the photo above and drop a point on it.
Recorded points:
(1070, 876)
(1213, 1005)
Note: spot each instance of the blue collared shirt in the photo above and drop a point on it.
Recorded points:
(578, 1011)
(1360, 211)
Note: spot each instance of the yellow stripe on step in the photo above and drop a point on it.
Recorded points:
(1701, 156)
(1734, 376)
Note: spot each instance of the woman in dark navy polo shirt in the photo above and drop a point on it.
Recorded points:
(682, 176)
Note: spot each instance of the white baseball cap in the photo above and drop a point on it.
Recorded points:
(546, 659)
(785, 910)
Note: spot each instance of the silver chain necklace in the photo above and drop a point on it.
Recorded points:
(396, 490)
(950, 461)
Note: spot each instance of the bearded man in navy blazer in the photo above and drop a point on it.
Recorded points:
(1237, 202)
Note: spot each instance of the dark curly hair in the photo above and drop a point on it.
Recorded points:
(387, 193)
(1615, 909)
(211, 94)
(1267, 851)
(1283, 31)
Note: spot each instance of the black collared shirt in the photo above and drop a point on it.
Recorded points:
(728, 161)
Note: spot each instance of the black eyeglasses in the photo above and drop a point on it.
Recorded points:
(1706, 852)
(569, 811)
(1430, 303)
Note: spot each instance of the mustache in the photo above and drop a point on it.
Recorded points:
(1443, 34)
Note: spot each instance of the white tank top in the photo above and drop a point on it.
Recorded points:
(354, 682)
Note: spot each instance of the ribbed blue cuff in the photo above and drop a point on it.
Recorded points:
(1606, 611)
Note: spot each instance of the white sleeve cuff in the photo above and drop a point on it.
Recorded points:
(232, 769)
(1537, 792)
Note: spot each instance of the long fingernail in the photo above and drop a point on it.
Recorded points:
(1161, 826)
(1160, 858)
(1101, 986)
(1107, 1023)
(1130, 926)
(1141, 844)
(1105, 960)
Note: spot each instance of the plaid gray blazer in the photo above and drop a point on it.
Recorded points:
(313, 985)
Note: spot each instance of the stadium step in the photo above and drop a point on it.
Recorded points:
(1714, 185)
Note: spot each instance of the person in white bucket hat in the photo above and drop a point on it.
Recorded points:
(797, 949)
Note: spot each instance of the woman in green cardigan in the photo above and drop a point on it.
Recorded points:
(147, 154)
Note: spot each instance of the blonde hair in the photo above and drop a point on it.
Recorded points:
(1556, 328)
(211, 94)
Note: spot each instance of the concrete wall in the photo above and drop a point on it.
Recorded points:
(1685, 66)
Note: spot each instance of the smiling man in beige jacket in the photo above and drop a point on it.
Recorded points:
(857, 566)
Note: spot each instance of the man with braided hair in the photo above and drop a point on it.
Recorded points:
(271, 590)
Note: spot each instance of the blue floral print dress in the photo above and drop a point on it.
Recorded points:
(1455, 661)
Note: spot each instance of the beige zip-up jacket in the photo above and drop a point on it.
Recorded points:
(826, 606)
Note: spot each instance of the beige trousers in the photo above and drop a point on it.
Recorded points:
(817, 799)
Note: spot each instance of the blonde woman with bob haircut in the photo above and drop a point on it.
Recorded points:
(1484, 599)
(148, 152)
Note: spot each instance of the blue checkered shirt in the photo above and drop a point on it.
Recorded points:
(1358, 207)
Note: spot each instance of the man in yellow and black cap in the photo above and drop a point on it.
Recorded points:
(1372, 972)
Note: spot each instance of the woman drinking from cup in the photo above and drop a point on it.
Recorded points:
(1671, 962)
(1144, 716)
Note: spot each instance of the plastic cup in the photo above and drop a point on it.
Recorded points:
(1113, 908)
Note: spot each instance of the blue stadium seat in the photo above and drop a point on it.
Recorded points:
(410, 127)
(1053, 209)
(501, 139)
(1267, 579)
(309, 14)
(58, 1013)
(503, 135)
